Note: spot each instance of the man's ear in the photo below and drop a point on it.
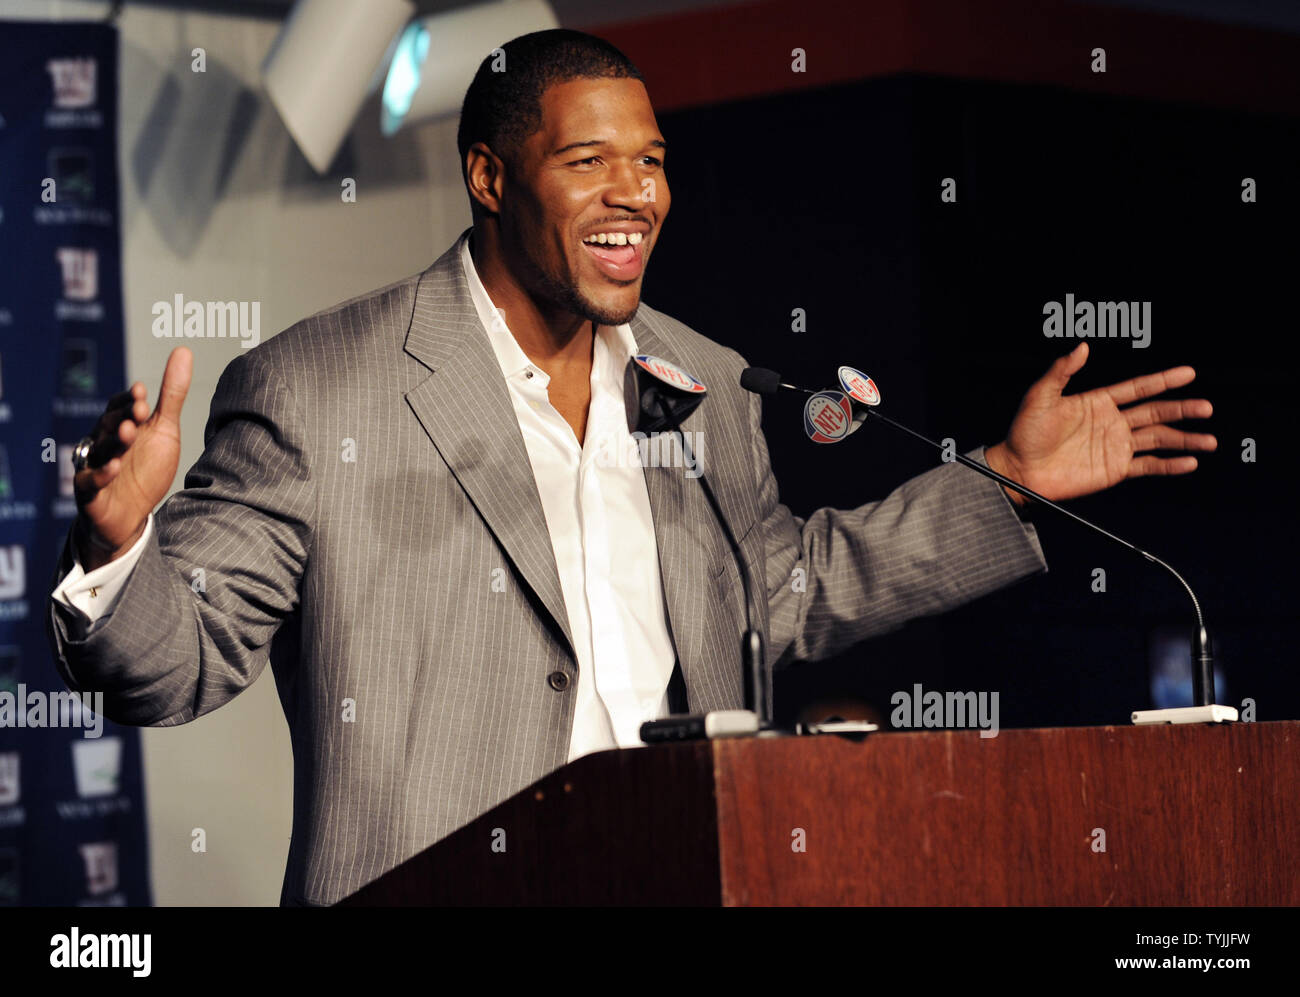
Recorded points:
(485, 175)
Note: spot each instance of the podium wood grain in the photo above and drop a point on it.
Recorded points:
(1202, 815)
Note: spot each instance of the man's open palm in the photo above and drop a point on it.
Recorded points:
(1064, 446)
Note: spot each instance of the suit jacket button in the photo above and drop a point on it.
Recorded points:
(558, 681)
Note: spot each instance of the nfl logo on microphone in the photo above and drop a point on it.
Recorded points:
(827, 417)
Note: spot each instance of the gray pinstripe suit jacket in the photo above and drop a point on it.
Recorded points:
(372, 580)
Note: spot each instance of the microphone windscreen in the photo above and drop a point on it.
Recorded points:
(760, 380)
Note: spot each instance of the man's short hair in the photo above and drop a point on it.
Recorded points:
(502, 109)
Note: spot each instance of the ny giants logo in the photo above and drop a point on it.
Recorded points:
(669, 373)
(827, 417)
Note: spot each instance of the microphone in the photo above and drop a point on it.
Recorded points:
(666, 395)
(831, 416)
(762, 381)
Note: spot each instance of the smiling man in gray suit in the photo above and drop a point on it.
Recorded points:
(400, 504)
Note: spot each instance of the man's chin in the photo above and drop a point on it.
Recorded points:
(609, 316)
(614, 320)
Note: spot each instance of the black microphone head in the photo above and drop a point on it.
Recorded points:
(760, 380)
(659, 394)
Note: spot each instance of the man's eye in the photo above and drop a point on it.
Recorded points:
(595, 159)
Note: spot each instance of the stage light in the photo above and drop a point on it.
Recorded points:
(436, 57)
(324, 62)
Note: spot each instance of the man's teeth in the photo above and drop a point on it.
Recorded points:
(615, 238)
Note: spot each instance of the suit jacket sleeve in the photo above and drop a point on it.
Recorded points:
(220, 573)
(942, 539)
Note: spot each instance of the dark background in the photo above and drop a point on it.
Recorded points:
(829, 200)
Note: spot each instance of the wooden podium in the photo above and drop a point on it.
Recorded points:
(1189, 815)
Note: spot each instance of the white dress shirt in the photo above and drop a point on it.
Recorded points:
(598, 515)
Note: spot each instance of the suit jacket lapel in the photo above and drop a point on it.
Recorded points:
(464, 407)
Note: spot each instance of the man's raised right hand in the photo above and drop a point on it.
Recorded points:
(131, 465)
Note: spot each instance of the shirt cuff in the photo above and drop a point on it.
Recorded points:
(93, 597)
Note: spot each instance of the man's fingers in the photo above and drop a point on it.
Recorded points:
(1142, 466)
(121, 405)
(127, 431)
(1173, 410)
(1149, 384)
(125, 409)
(1168, 438)
(123, 398)
(88, 482)
(175, 384)
(114, 433)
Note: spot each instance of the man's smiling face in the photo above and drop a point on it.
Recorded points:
(595, 167)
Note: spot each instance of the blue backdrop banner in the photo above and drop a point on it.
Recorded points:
(71, 793)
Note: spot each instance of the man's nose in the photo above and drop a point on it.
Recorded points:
(625, 189)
